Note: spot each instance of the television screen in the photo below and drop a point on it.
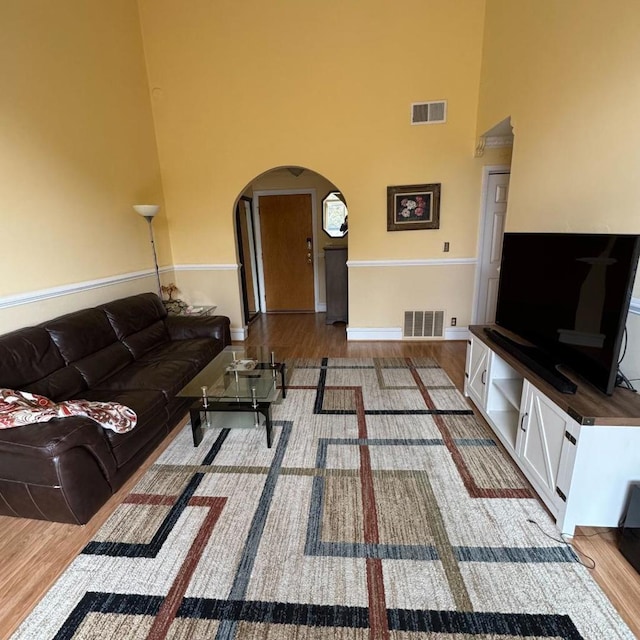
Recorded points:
(569, 294)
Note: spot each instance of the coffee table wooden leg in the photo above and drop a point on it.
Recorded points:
(196, 426)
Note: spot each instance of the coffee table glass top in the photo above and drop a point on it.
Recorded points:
(237, 373)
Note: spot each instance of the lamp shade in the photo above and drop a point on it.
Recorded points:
(147, 210)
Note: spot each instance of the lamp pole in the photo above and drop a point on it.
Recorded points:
(149, 219)
(148, 212)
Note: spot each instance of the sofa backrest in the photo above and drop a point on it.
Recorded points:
(62, 357)
(30, 361)
(138, 321)
(87, 341)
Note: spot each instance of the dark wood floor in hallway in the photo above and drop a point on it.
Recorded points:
(305, 335)
(34, 553)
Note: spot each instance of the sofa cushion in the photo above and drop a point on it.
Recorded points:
(138, 322)
(87, 340)
(150, 408)
(143, 341)
(199, 351)
(189, 327)
(59, 385)
(79, 334)
(30, 360)
(26, 356)
(104, 363)
(167, 376)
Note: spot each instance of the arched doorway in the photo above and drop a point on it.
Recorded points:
(281, 240)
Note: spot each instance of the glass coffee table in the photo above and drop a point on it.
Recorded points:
(241, 382)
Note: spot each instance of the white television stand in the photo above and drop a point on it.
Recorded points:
(580, 452)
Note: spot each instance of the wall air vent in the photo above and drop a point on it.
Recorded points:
(423, 324)
(429, 112)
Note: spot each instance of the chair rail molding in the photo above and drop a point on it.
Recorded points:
(206, 267)
(29, 297)
(437, 262)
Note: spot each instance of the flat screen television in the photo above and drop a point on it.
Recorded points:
(568, 295)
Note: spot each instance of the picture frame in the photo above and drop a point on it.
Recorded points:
(413, 206)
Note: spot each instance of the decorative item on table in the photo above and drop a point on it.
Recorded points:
(174, 307)
(242, 365)
(415, 206)
(206, 310)
(169, 290)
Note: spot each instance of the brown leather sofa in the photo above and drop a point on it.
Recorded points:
(127, 351)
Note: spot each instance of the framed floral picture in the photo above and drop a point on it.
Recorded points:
(414, 206)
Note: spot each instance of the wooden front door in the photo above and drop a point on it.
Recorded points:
(286, 233)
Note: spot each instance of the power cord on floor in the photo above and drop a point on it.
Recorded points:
(624, 382)
(576, 551)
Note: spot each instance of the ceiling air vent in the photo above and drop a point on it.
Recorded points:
(429, 112)
(423, 324)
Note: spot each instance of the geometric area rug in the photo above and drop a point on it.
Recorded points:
(384, 510)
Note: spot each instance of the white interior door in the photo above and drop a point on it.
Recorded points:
(493, 221)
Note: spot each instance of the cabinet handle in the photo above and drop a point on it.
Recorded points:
(483, 378)
(524, 415)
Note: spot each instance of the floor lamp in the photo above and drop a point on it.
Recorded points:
(148, 211)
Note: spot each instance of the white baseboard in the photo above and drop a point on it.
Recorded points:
(384, 333)
(321, 307)
(456, 333)
(239, 333)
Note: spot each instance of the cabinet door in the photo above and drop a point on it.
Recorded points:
(478, 372)
(539, 445)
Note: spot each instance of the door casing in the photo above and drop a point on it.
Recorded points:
(246, 242)
(487, 172)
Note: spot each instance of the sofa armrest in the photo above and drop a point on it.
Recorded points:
(188, 327)
(49, 440)
(61, 470)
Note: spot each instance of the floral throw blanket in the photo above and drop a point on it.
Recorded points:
(18, 408)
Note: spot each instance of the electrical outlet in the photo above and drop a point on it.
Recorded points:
(446, 247)
(454, 321)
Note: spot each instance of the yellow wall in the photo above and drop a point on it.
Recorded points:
(241, 87)
(437, 287)
(237, 88)
(78, 149)
(567, 74)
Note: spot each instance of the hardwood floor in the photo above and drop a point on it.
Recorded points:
(34, 553)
